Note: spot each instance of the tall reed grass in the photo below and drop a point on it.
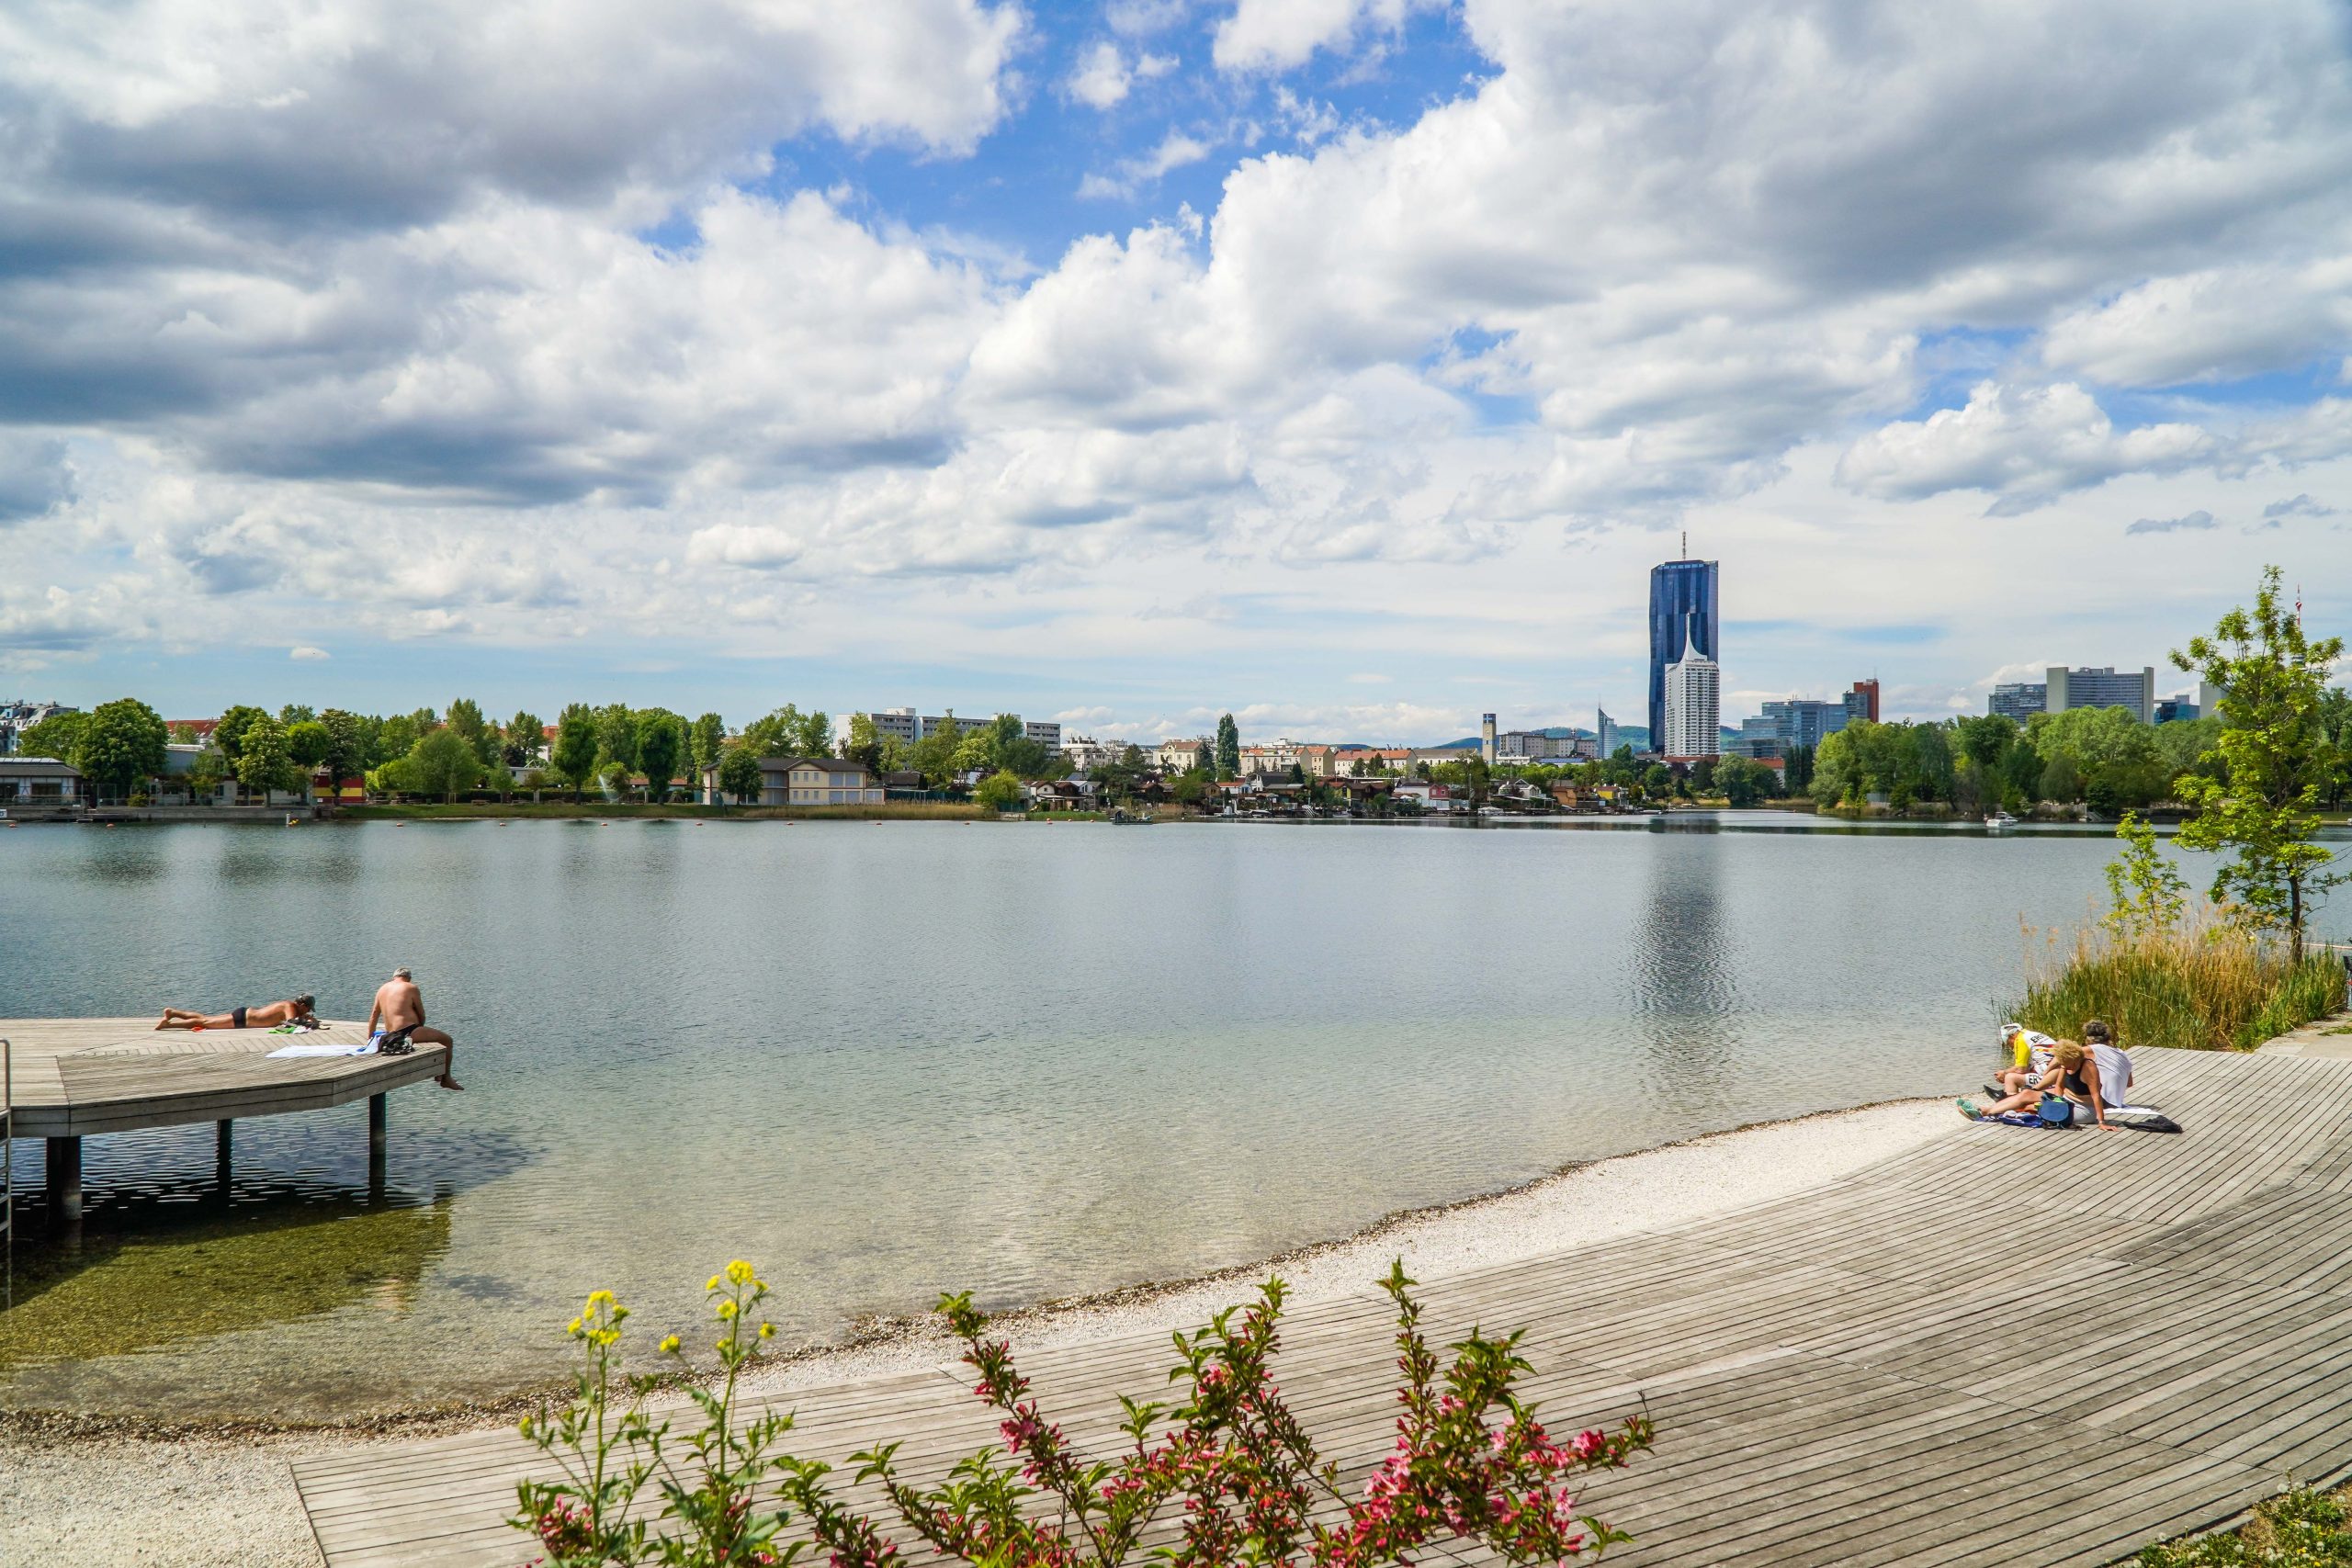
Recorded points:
(2203, 985)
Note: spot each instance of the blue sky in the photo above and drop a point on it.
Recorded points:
(1343, 363)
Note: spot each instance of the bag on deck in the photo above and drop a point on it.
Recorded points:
(2055, 1111)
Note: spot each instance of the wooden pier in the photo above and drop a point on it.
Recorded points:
(74, 1077)
(2008, 1346)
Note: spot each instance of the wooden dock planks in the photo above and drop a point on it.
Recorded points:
(2008, 1347)
(77, 1077)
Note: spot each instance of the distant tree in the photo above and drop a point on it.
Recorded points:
(2272, 754)
(307, 742)
(2113, 754)
(442, 764)
(396, 737)
(1117, 778)
(2022, 773)
(616, 737)
(1000, 791)
(661, 746)
(934, 755)
(706, 742)
(1702, 775)
(228, 731)
(207, 773)
(293, 714)
(2061, 779)
(120, 747)
(1192, 786)
(180, 731)
(55, 735)
(738, 774)
(788, 732)
(2185, 744)
(865, 742)
(1204, 758)
(346, 756)
(264, 761)
(1743, 781)
(977, 751)
(1658, 781)
(1228, 747)
(524, 741)
(573, 756)
(467, 723)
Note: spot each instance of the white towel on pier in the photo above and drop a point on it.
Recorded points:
(367, 1050)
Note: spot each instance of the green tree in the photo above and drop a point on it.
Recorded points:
(1117, 778)
(2145, 895)
(229, 730)
(55, 735)
(738, 774)
(293, 714)
(346, 756)
(524, 741)
(2271, 753)
(442, 764)
(466, 722)
(1743, 781)
(120, 747)
(661, 746)
(617, 736)
(2022, 773)
(2116, 760)
(206, 774)
(705, 742)
(574, 754)
(934, 755)
(264, 761)
(1228, 747)
(1190, 787)
(1000, 791)
(977, 752)
(396, 737)
(307, 742)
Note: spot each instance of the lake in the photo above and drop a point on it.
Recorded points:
(885, 1059)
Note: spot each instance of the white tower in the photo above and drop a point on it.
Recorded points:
(1693, 706)
(1486, 738)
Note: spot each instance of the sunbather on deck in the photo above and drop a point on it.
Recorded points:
(269, 1015)
(2073, 1076)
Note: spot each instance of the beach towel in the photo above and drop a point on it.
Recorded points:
(367, 1050)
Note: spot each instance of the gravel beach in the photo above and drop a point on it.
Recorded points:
(203, 1501)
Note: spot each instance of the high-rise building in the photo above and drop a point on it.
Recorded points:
(1683, 614)
(2020, 700)
(1693, 703)
(18, 717)
(1861, 700)
(2170, 708)
(2102, 688)
(1605, 734)
(907, 726)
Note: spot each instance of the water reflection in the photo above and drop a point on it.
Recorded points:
(1685, 960)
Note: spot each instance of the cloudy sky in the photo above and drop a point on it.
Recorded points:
(1342, 363)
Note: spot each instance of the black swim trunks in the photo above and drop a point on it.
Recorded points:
(393, 1043)
(236, 1018)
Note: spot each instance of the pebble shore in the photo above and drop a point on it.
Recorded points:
(198, 1501)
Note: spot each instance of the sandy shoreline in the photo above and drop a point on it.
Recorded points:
(206, 1500)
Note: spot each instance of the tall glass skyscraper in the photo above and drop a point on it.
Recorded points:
(1683, 594)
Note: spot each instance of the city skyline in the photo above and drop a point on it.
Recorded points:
(1138, 362)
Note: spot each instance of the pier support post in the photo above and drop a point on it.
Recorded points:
(223, 1141)
(376, 1124)
(65, 1183)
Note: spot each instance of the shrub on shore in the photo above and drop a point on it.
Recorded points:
(2300, 1528)
(2202, 986)
(1223, 1474)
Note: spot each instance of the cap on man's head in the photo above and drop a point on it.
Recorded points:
(402, 974)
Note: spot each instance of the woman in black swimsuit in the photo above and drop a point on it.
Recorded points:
(269, 1015)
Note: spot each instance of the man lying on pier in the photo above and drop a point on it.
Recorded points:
(396, 1022)
(269, 1015)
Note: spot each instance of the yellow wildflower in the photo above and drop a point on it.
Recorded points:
(572, 1328)
(738, 1272)
(767, 1331)
(595, 1298)
(670, 1346)
(712, 1284)
(726, 1311)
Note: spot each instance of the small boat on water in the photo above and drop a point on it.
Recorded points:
(1998, 820)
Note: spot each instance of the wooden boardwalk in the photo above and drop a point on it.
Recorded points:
(2006, 1347)
(77, 1077)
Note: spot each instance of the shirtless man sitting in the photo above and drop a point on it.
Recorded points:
(398, 1019)
(269, 1015)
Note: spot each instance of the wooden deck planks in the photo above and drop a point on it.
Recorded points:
(2005, 1348)
(80, 1077)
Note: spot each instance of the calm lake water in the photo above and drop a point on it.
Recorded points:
(885, 1060)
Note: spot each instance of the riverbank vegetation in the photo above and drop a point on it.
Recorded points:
(681, 811)
(2301, 1528)
(1223, 1471)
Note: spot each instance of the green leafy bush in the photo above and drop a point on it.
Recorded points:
(2300, 1528)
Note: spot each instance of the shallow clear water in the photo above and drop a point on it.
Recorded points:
(885, 1060)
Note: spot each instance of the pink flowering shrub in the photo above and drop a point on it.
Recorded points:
(1223, 1475)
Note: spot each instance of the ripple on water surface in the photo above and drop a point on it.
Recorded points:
(887, 1061)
